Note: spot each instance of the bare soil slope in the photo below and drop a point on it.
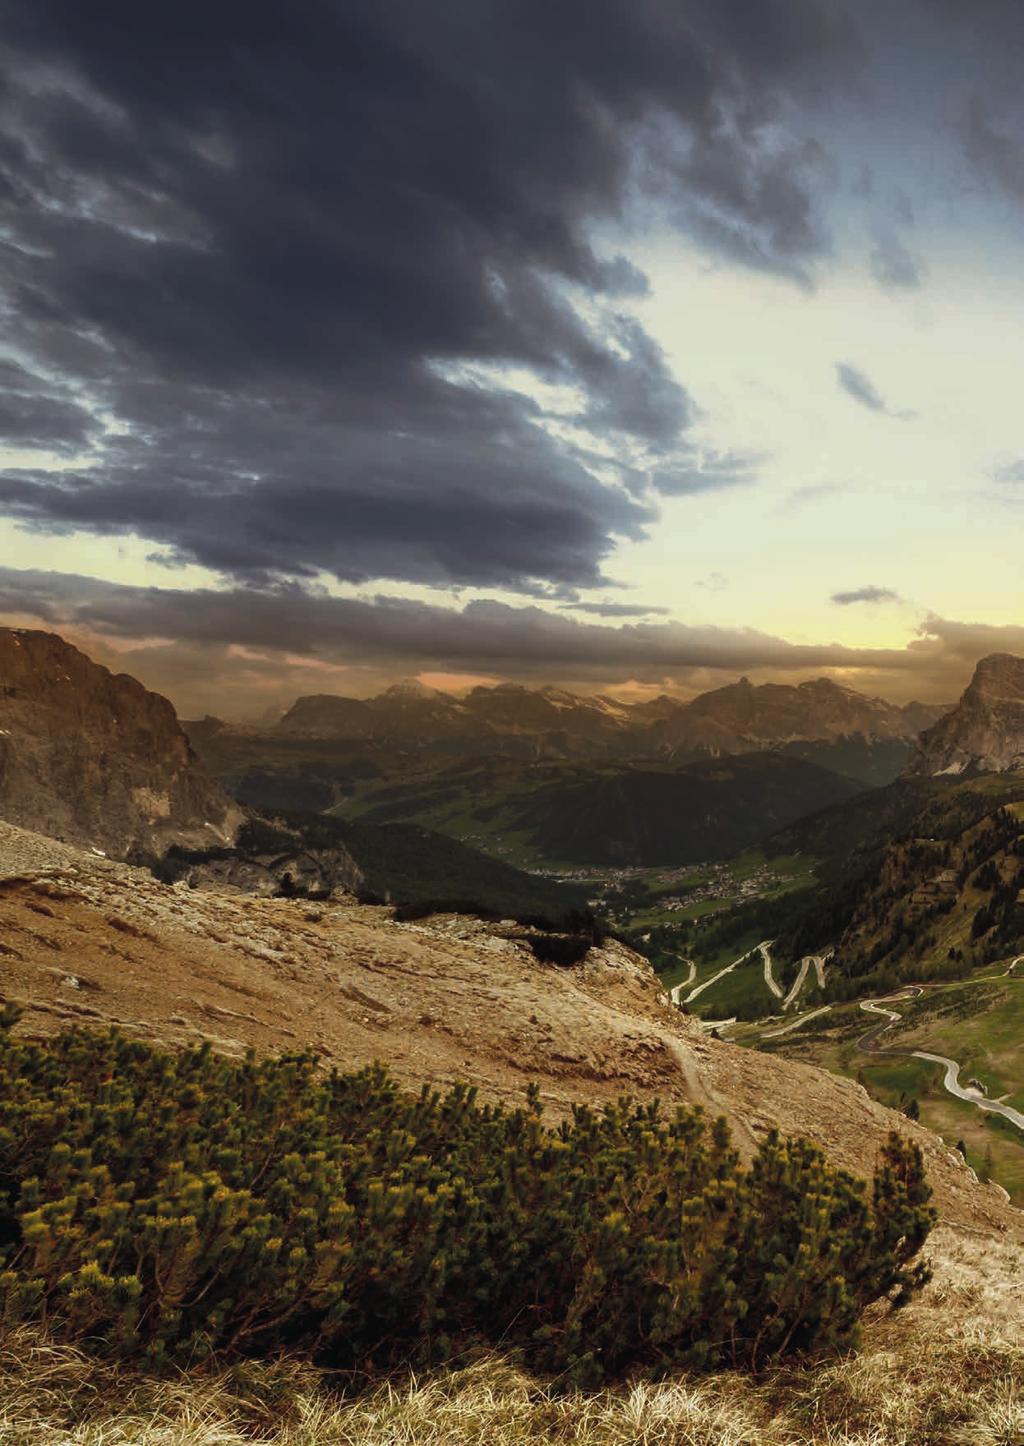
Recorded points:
(87, 939)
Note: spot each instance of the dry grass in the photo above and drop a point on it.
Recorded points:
(965, 1391)
(947, 1371)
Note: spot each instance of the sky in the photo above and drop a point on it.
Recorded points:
(629, 347)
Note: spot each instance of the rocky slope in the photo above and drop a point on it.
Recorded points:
(985, 731)
(92, 941)
(85, 940)
(95, 758)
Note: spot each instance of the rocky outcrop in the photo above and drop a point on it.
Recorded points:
(309, 874)
(96, 759)
(985, 731)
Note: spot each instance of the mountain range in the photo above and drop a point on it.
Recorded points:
(398, 753)
(517, 721)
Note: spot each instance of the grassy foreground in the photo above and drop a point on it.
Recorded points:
(961, 1388)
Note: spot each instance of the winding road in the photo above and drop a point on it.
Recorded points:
(818, 961)
(868, 1044)
(675, 993)
(722, 972)
(796, 1023)
(769, 977)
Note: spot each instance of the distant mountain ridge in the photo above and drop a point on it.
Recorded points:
(328, 750)
(515, 720)
(984, 733)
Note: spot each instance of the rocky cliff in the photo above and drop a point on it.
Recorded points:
(985, 731)
(94, 758)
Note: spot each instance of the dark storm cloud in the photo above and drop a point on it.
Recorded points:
(996, 155)
(869, 594)
(35, 415)
(267, 240)
(704, 472)
(488, 501)
(407, 633)
(241, 646)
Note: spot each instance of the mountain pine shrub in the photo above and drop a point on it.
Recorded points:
(179, 1206)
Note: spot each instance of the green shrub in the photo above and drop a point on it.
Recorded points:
(176, 1206)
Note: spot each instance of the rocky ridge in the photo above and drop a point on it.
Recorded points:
(985, 731)
(95, 758)
(513, 718)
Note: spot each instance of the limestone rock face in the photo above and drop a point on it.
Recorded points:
(95, 759)
(985, 731)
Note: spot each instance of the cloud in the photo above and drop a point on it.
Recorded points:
(863, 390)
(893, 265)
(1009, 472)
(295, 620)
(690, 474)
(615, 610)
(36, 415)
(996, 156)
(265, 243)
(245, 648)
(869, 594)
(860, 387)
(408, 634)
(489, 502)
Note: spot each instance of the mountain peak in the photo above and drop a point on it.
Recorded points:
(408, 688)
(985, 731)
(999, 672)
